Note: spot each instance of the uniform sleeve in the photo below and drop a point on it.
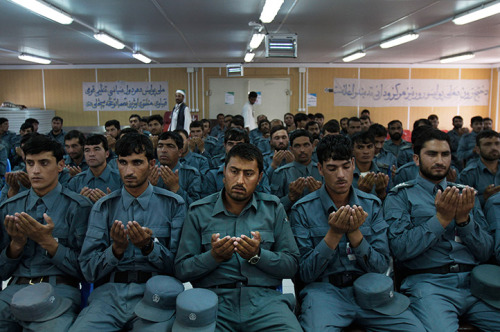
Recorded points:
(313, 259)
(210, 183)
(194, 187)
(406, 239)
(282, 259)
(8, 265)
(463, 152)
(192, 262)
(264, 186)
(280, 189)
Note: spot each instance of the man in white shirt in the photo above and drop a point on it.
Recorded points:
(248, 113)
(181, 115)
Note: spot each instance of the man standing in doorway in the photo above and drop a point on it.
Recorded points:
(248, 112)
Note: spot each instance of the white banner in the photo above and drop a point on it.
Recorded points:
(125, 96)
(400, 92)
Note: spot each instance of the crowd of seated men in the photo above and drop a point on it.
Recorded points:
(376, 226)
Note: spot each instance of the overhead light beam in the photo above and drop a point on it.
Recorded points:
(256, 40)
(32, 58)
(271, 8)
(457, 57)
(46, 10)
(249, 57)
(354, 56)
(398, 40)
(141, 57)
(477, 13)
(108, 40)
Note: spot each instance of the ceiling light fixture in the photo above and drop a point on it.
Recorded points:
(141, 57)
(271, 8)
(249, 56)
(281, 45)
(354, 56)
(46, 10)
(477, 13)
(398, 40)
(457, 57)
(108, 40)
(256, 40)
(33, 58)
(234, 70)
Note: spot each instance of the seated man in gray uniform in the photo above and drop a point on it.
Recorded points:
(133, 234)
(341, 234)
(239, 244)
(74, 160)
(100, 178)
(300, 177)
(438, 234)
(171, 174)
(492, 212)
(41, 236)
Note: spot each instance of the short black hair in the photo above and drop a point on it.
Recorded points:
(487, 119)
(432, 117)
(335, 147)
(134, 116)
(319, 115)
(365, 111)
(300, 117)
(344, 118)
(196, 124)
(364, 137)
(179, 141)
(28, 136)
(429, 135)
(365, 117)
(252, 94)
(75, 134)
(182, 131)
(135, 143)
(311, 123)
(421, 122)
(96, 140)
(275, 129)
(486, 134)
(378, 130)
(457, 117)
(236, 134)
(238, 116)
(203, 121)
(2, 120)
(299, 133)
(259, 126)
(393, 122)
(127, 131)
(25, 126)
(114, 123)
(37, 144)
(31, 120)
(248, 152)
(418, 131)
(144, 119)
(238, 122)
(57, 118)
(220, 115)
(475, 119)
(353, 119)
(332, 126)
(156, 117)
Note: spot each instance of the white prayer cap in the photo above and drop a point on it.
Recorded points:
(181, 92)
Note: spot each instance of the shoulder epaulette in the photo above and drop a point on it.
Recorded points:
(81, 200)
(267, 197)
(402, 185)
(15, 197)
(283, 167)
(114, 194)
(307, 198)
(206, 200)
(168, 193)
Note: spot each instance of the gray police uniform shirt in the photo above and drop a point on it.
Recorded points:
(69, 162)
(309, 218)
(197, 161)
(373, 168)
(384, 161)
(214, 182)
(69, 212)
(492, 211)
(283, 176)
(58, 138)
(477, 175)
(109, 178)
(389, 146)
(405, 155)
(466, 146)
(157, 209)
(268, 160)
(189, 182)
(418, 240)
(278, 257)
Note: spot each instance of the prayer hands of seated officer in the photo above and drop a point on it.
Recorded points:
(171, 179)
(488, 191)
(94, 194)
(154, 141)
(23, 179)
(367, 182)
(446, 205)
(358, 218)
(278, 157)
(381, 183)
(222, 249)
(465, 204)
(340, 223)
(452, 175)
(313, 184)
(74, 170)
(41, 234)
(154, 176)
(393, 171)
(17, 238)
(140, 236)
(111, 141)
(196, 142)
(118, 234)
(296, 188)
(248, 247)
(14, 186)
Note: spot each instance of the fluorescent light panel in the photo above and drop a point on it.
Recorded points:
(354, 56)
(108, 40)
(46, 10)
(401, 39)
(249, 57)
(457, 57)
(141, 57)
(271, 8)
(256, 40)
(32, 58)
(477, 13)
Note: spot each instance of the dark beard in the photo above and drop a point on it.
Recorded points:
(431, 177)
(396, 136)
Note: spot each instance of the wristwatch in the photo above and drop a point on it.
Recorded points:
(146, 250)
(255, 259)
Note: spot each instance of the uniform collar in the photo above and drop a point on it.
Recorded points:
(302, 167)
(105, 175)
(327, 202)
(50, 199)
(482, 167)
(220, 208)
(143, 199)
(429, 186)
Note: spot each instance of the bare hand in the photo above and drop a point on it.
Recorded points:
(381, 183)
(366, 182)
(222, 249)
(118, 234)
(170, 178)
(465, 204)
(296, 188)
(278, 157)
(154, 176)
(23, 179)
(452, 175)
(41, 234)
(248, 247)
(11, 180)
(289, 157)
(111, 141)
(14, 232)
(313, 184)
(154, 141)
(446, 205)
(358, 217)
(74, 170)
(340, 220)
(488, 191)
(393, 171)
(97, 194)
(138, 235)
